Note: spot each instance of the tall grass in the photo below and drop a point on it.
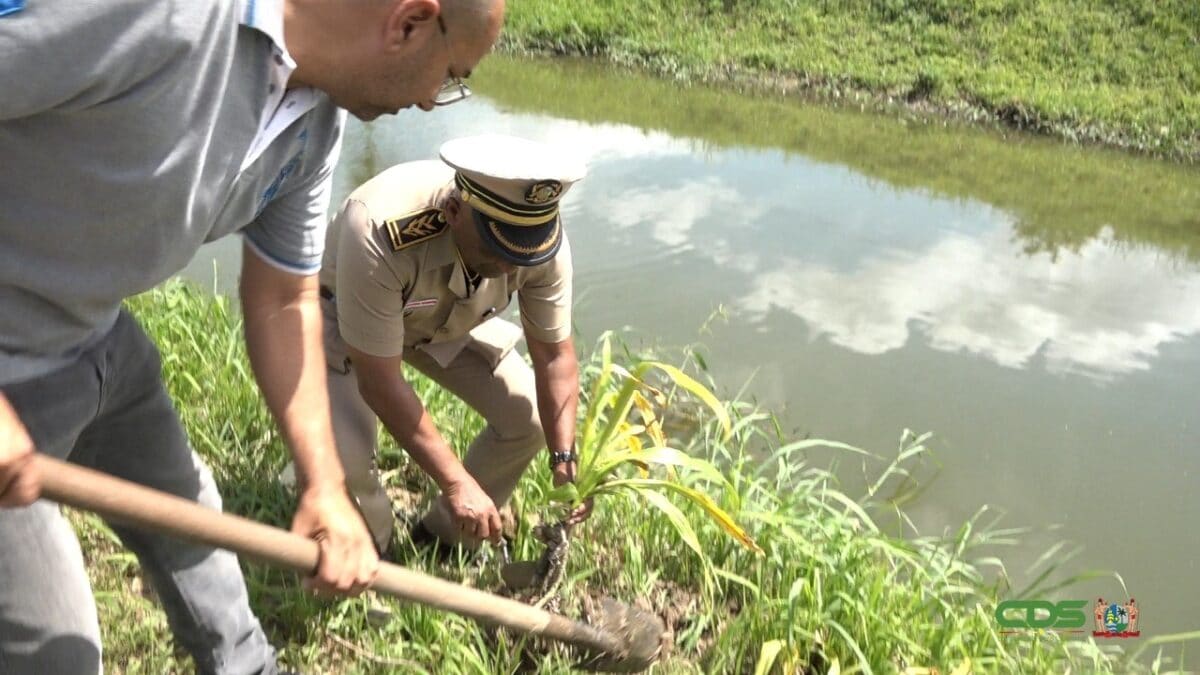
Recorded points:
(831, 590)
(1121, 72)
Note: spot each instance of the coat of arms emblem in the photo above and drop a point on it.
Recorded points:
(1115, 620)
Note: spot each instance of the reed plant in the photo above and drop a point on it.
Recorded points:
(824, 588)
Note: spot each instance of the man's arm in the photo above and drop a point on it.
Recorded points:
(283, 339)
(382, 385)
(556, 373)
(20, 482)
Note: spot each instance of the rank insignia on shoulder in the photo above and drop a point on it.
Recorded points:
(415, 228)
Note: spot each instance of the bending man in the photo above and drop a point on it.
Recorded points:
(420, 263)
(131, 133)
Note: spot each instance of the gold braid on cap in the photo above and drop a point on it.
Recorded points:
(490, 204)
(527, 250)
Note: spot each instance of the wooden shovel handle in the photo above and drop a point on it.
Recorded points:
(149, 509)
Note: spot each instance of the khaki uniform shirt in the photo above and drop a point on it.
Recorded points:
(399, 283)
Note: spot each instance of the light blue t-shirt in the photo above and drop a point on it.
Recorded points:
(126, 137)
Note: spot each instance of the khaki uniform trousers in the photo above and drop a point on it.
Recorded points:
(506, 398)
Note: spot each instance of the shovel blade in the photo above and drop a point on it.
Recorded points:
(640, 632)
(519, 575)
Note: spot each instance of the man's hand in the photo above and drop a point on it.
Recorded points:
(472, 509)
(564, 473)
(20, 482)
(348, 561)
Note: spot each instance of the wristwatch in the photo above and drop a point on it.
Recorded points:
(562, 457)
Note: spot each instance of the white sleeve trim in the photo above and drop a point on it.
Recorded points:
(282, 265)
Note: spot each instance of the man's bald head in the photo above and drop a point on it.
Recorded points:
(379, 56)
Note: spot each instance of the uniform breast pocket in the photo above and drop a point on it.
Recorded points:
(494, 339)
(496, 310)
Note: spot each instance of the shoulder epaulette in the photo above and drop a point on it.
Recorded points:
(415, 228)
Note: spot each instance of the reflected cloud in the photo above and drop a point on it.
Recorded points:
(591, 142)
(672, 213)
(966, 285)
(1100, 312)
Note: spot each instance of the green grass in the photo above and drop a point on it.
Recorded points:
(831, 588)
(1118, 72)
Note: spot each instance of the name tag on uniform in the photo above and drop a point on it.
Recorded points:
(414, 305)
(11, 6)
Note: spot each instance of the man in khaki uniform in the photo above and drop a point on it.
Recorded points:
(420, 262)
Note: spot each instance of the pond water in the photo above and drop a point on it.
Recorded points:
(1035, 306)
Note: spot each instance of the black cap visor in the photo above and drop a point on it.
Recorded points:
(521, 245)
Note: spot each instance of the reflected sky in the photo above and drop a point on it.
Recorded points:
(866, 266)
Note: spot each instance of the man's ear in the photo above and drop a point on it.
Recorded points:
(451, 208)
(407, 18)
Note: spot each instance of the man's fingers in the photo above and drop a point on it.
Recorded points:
(364, 572)
(481, 527)
(581, 513)
(341, 571)
(324, 577)
(496, 525)
(368, 569)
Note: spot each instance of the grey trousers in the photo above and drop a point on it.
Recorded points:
(109, 411)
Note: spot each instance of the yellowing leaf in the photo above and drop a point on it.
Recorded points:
(654, 430)
(634, 443)
(653, 425)
(699, 391)
(716, 513)
(767, 655)
(674, 515)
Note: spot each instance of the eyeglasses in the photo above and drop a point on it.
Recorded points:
(453, 89)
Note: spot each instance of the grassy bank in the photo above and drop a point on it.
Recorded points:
(1124, 73)
(831, 588)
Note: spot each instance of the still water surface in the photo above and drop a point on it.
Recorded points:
(1036, 306)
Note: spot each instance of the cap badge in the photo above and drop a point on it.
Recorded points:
(543, 191)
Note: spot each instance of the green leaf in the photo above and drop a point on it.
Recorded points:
(567, 492)
(739, 580)
(620, 412)
(674, 515)
(666, 457)
(598, 402)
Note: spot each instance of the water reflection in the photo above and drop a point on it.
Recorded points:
(870, 266)
(1099, 311)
